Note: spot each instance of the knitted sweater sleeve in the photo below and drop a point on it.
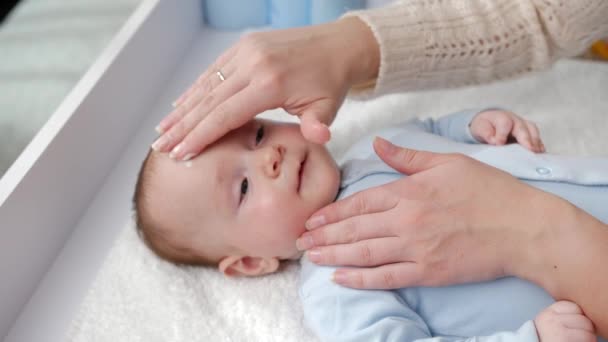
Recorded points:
(426, 44)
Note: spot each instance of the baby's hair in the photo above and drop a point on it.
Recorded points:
(151, 232)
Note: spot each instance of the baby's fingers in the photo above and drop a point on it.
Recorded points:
(566, 307)
(522, 134)
(502, 125)
(577, 321)
(535, 136)
(482, 130)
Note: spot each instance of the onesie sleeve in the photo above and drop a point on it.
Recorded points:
(339, 314)
(454, 126)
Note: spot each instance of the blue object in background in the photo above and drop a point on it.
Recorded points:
(289, 13)
(323, 11)
(236, 14)
(241, 14)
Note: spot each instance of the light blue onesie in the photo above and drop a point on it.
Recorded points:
(495, 311)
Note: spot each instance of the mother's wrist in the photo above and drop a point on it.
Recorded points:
(549, 227)
(361, 51)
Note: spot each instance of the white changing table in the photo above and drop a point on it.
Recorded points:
(65, 199)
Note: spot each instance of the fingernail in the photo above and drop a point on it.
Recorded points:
(314, 255)
(188, 157)
(385, 145)
(304, 243)
(160, 143)
(175, 151)
(158, 129)
(315, 221)
(321, 125)
(177, 101)
(340, 277)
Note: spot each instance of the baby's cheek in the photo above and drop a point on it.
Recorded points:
(289, 213)
(266, 201)
(264, 207)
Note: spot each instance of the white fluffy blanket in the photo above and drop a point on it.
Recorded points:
(137, 297)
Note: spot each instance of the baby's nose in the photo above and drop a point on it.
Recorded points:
(272, 160)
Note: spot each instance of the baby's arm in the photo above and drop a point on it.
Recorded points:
(336, 313)
(490, 126)
(564, 322)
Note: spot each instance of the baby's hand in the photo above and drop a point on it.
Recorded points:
(564, 321)
(497, 126)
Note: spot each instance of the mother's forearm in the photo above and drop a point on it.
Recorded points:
(463, 42)
(567, 256)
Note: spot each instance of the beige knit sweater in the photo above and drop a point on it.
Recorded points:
(428, 44)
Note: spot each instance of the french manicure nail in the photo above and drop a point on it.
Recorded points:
(386, 145)
(300, 244)
(188, 157)
(158, 129)
(340, 277)
(314, 255)
(159, 144)
(175, 151)
(315, 221)
(304, 243)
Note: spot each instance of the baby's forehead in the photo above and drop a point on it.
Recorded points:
(187, 196)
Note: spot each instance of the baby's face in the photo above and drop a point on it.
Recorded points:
(248, 194)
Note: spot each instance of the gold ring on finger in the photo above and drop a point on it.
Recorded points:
(220, 75)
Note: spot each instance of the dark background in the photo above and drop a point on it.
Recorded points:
(5, 7)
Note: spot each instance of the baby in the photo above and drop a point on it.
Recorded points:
(241, 205)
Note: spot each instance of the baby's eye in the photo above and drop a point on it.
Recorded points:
(259, 135)
(244, 187)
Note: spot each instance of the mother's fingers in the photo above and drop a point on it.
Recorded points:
(365, 202)
(371, 252)
(349, 230)
(231, 113)
(202, 89)
(178, 114)
(219, 64)
(390, 276)
(313, 129)
(197, 114)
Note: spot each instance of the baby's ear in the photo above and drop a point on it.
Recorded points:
(247, 266)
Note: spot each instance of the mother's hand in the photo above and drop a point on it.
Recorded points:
(453, 220)
(306, 71)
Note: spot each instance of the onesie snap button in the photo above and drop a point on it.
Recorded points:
(543, 171)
